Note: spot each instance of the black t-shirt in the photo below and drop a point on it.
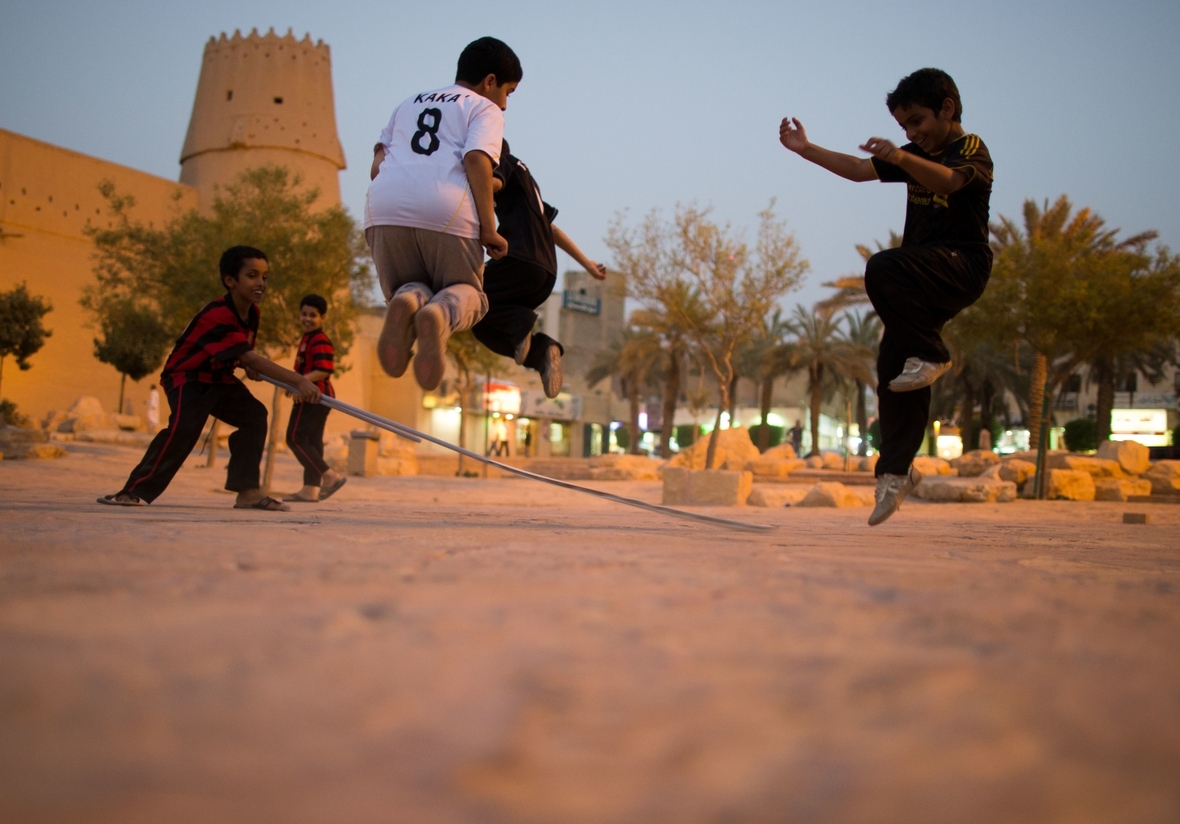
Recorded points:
(958, 219)
(525, 219)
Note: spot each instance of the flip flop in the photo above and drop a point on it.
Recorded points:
(267, 504)
(111, 500)
(328, 492)
(294, 498)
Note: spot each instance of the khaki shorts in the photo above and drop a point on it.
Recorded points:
(434, 266)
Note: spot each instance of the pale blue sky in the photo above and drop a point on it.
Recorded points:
(639, 105)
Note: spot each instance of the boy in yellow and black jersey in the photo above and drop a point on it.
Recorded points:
(941, 268)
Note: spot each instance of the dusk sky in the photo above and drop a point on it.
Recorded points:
(634, 106)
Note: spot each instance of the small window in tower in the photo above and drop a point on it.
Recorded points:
(229, 95)
(279, 100)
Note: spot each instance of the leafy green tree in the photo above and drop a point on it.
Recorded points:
(636, 358)
(676, 345)
(134, 340)
(22, 334)
(173, 269)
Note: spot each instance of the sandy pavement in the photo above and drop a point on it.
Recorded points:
(455, 650)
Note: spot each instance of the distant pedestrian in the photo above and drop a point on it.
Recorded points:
(153, 409)
(796, 437)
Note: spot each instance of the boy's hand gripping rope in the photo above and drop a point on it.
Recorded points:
(417, 437)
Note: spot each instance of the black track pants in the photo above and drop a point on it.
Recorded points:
(915, 291)
(305, 437)
(192, 404)
(514, 289)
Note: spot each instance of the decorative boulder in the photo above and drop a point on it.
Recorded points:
(45, 450)
(973, 490)
(17, 443)
(784, 451)
(396, 456)
(833, 460)
(1120, 489)
(833, 494)
(1017, 470)
(1164, 477)
(770, 468)
(1132, 456)
(869, 464)
(1070, 485)
(708, 487)
(815, 462)
(734, 451)
(932, 466)
(1097, 467)
(775, 495)
(129, 423)
(974, 463)
(992, 473)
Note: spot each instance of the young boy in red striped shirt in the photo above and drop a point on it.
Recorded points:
(316, 361)
(198, 380)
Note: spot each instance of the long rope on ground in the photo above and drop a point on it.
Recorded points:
(417, 437)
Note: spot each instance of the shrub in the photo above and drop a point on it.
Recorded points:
(1081, 435)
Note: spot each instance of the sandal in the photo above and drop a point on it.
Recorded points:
(328, 491)
(294, 498)
(267, 504)
(113, 500)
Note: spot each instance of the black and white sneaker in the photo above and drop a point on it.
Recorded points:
(918, 374)
(891, 491)
(551, 377)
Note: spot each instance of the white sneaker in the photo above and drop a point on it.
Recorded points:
(891, 491)
(918, 374)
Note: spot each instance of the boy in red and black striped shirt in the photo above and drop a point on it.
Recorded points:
(315, 360)
(198, 380)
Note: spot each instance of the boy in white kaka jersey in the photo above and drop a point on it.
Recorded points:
(429, 212)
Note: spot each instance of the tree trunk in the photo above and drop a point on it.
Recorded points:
(986, 401)
(862, 419)
(766, 400)
(714, 437)
(967, 423)
(2, 371)
(816, 389)
(1036, 394)
(122, 387)
(671, 395)
(1104, 377)
(209, 461)
(633, 424)
(272, 442)
(732, 407)
(464, 393)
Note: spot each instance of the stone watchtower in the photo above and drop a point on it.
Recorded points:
(263, 100)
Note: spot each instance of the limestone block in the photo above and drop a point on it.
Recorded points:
(869, 464)
(44, 450)
(15, 441)
(626, 468)
(833, 460)
(1097, 467)
(1017, 470)
(734, 451)
(974, 463)
(395, 456)
(1120, 489)
(363, 448)
(719, 487)
(1133, 457)
(675, 485)
(91, 421)
(832, 494)
(992, 473)
(932, 466)
(1070, 485)
(129, 423)
(970, 490)
(119, 437)
(773, 495)
(815, 462)
(771, 468)
(84, 405)
(784, 451)
(1164, 477)
(336, 453)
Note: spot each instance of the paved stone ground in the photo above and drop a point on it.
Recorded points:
(446, 650)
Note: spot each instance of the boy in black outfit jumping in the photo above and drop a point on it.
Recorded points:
(522, 280)
(942, 266)
(199, 381)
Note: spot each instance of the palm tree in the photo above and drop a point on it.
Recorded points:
(635, 358)
(774, 361)
(820, 348)
(851, 288)
(863, 332)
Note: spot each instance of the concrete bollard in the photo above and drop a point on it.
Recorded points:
(363, 447)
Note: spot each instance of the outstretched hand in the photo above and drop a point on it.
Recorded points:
(882, 149)
(597, 271)
(792, 134)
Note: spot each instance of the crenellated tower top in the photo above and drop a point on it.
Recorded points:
(258, 95)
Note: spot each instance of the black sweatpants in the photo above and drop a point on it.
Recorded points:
(305, 437)
(915, 291)
(514, 289)
(192, 404)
